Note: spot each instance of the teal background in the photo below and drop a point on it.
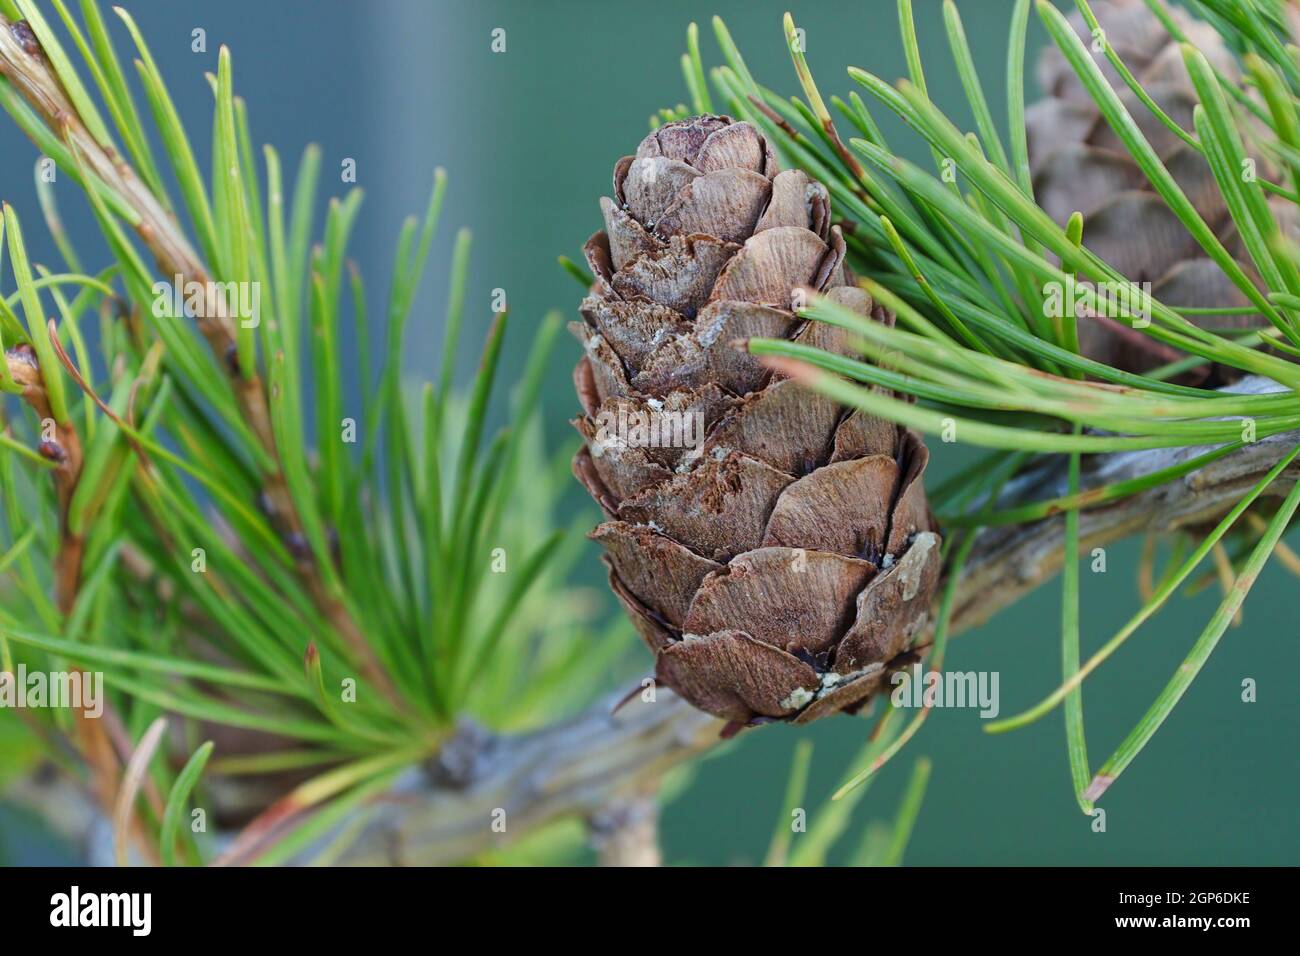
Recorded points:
(529, 138)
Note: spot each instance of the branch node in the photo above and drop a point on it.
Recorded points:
(464, 757)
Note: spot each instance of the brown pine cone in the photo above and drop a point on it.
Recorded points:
(1079, 164)
(780, 553)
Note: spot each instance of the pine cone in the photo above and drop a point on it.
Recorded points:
(780, 555)
(1079, 163)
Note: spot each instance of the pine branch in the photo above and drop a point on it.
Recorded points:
(597, 761)
(32, 76)
(63, 448)
(297, 539)
(578, 766)
(1010, 562)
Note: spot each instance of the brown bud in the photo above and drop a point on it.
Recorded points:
(298, 546)
(22, 32)
(24, 353)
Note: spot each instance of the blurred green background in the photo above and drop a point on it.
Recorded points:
(529, 138)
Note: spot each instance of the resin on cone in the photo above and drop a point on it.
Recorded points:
(774, 549)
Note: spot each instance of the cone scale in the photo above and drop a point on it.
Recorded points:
(774, 550)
